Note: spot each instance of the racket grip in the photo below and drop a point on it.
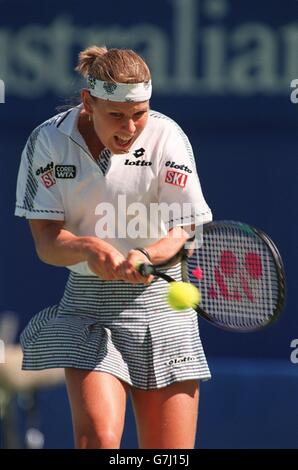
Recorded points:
(145, 269)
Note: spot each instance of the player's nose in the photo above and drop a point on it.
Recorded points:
(129, 126)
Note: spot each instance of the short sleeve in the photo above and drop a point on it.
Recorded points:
(179, 185)
(37, 195)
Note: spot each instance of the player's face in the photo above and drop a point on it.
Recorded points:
(118, 125)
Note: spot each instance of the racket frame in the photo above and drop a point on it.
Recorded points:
(149, 269)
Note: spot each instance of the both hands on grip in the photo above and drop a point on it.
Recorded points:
(110, 265)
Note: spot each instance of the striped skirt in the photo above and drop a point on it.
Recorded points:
(127, 330)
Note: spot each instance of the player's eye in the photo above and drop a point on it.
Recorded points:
(116, 115)
(139, 114)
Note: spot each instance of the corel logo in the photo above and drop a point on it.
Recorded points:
(176, 178)
(65, 171)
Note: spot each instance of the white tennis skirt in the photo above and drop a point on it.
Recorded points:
(127, 330)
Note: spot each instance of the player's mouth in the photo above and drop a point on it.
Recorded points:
(123, 143)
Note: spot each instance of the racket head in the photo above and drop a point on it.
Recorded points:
(242, 278)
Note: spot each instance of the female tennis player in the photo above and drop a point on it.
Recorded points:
(89, 182)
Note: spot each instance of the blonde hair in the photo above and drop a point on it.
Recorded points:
(113, 65)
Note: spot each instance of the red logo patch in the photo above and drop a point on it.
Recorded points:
(48, 179)
(176, 178)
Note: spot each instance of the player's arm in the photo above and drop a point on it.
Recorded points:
(170, 245)
(59, 247)
(159, 252)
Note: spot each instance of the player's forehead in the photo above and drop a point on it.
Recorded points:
(125, 108)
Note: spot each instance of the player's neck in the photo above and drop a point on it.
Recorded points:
(88, 133)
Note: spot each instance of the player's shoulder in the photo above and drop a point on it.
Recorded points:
(163, 122)
(50, 130)
(166, 128)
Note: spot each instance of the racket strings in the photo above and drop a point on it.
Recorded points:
(239, 287)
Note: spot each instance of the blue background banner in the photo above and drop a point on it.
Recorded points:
(223, 70)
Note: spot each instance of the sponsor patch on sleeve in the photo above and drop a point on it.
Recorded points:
(176, 178)
(46, 174)
(48, 179)
(65, 171)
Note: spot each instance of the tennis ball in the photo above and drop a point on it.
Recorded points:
(182, 295)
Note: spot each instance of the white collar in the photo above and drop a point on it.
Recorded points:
(68, 123)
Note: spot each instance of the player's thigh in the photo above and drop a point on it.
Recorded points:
(167, 417)
(98, 403)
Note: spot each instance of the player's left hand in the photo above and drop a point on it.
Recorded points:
(127, 269)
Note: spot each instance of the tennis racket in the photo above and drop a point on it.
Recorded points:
(239, 272)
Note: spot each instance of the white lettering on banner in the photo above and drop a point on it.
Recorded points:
(2, 92)
(294, 94)
(294, 353)
(213, 58)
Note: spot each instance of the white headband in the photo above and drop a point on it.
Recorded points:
(129, 92)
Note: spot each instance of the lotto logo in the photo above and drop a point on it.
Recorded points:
(180, 360)
(176, 178)
(178, 167)
(139, 152)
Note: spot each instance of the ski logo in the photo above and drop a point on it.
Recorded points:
(176, 178)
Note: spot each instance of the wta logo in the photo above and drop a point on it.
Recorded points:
(2, 92)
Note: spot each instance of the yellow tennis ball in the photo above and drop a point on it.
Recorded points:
(182, 295)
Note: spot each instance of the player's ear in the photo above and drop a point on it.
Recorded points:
(87, 101)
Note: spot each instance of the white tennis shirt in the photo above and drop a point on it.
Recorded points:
(125, 199)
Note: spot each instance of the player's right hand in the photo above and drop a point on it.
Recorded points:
(103, 260)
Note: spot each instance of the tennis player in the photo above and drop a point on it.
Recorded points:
(82, 175)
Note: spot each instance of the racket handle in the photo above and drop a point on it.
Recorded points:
(145, 269)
